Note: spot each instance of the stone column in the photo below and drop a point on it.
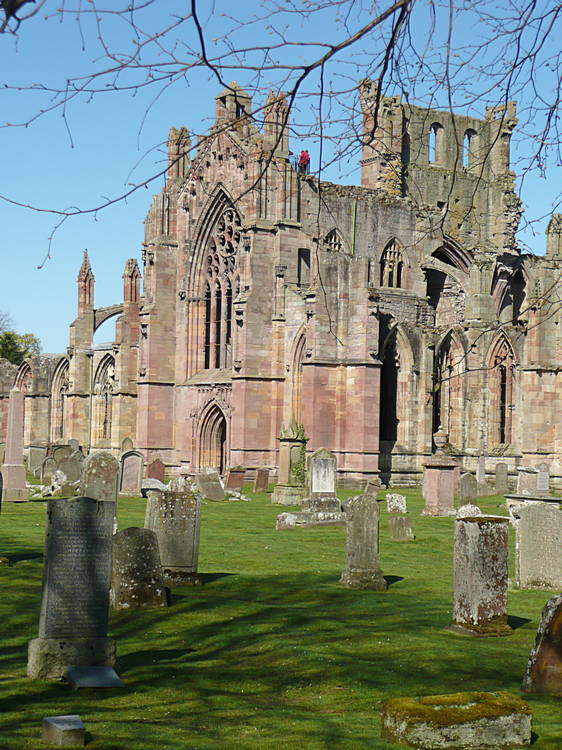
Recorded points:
(480, 576)
(290, 489)
(362, 569)
(13, 470)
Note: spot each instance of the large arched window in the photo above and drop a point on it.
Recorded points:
(103, 399)
(448, 390)
(221, 287)
(469, 148)
(333, 241)
(392, 266)
(501, 387)
(435, 143)
(58, 398)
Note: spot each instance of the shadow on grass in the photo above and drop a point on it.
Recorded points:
(393, 579)
(515, 622)
(21, 556)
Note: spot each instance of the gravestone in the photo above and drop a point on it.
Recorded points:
(100, 476)
(210, 486)
(13, 469)
(538, 546)
(175, 518)
(48, 468)
(439, 486)
(468, 511)
(290, 488)
(74, 445)
(527, 480)
(63, 730)
(35, 456)
(131, 473)
(468, 488)
(60, 452)
(2, 453)
(396, 503)
(400, 528)
(235, 478)
(543, 479)
(544, 668)
(75, 592)
(501, 480)
(481, 470)
(480, 576)
(156, 470)
(261, 481)
(136, 578)
(127, 445)
(71, 467)
(321, 483)
(372, 487)
(362, 568)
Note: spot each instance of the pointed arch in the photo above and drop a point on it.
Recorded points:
(213, 445)
(24, 377)
(297, 357)
(396, 387)
(392, 265)
(333, 241)
(59, 391)
(501, 365)
(102, 407)
(448, 391)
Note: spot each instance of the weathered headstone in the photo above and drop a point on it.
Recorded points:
(71, 467)
(480, 576)
(75, 592)
(439, 486)
(48, 468)
(60, 452)
(527, 480)
(132, 464)
(468, 488)
(472, 721)
(543, 478)
(74, 445)
(156, 470)
(150, 485)
(396, 503)
(100, 476)
(290, 488)
(35, 456)
(322, 483)
(235, 478)
(261, 481)
(538, 547)
(13, 469)
(175, 518)
(362, 568)
(372, 486)
(468, 511)
(400, 528)
(127, 445)
(136, 579)
(501, 480)
(210, 486)
(63, 730)
(544, 668)
(481, 470)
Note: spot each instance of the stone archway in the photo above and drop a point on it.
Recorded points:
(212, 441)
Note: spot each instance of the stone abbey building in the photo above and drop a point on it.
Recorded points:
(373, 315)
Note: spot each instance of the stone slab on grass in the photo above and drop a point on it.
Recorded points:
(93, 677)
(458, 721)
(63, 730)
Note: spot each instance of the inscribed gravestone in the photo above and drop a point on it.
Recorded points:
(501, 483)
(362, 568)
(543, 478)
(156, 470)
(175, 518)
(235, 478)
(544, 668)
(400, 528)
(131, 473)
(75, 592)
(35, 457)
(396, 503)
(538, 548)
(71, 467)
(100, 476)
(261, 481)
(481, 470)
(60, 452)
(322, 483)
(526, 480)
(136, 578)
(210, 486)
(480, 576)
(13, 469)
(48, 468)
(468, 488)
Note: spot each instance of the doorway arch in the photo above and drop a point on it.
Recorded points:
(212, 440)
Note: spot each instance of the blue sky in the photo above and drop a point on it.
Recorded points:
(103, 145)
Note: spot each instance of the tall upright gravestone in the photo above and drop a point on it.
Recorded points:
(132, 464)
(538, 547)
(175, 518)
(13, 470)
(322, 483)
(362, 568)
(75, 594)
(136, 579)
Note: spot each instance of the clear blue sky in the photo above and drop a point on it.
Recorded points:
(103, 145)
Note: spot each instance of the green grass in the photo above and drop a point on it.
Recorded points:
(270, 652)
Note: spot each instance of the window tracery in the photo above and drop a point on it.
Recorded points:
(333, 241)
(392, 266)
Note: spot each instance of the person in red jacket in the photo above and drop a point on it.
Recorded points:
(304, 162)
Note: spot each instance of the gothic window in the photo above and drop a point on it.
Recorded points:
(60, 390)
(103, 399)
(333, 241)
(435, 143)
(501, 385)
(221, 287)
(303, 266)
(392, 266)
(469, 148)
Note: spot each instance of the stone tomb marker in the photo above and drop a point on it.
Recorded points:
(480, 576)
(63, 730)
(136, 578)
(527, 480)
(501, 480)
(400, 528)
(396, 503)
(544, 668)
(75, 592)
(100, 476)
(175, 518)
(543, 479)
(235, 478)
(132, 464)
(468, 488)
(362, 569)
(210, 486)
(261, 481)
(13, 469)
(322, 482)
(538, 546)
(156, 470)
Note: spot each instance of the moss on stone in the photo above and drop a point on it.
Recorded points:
(455, 708)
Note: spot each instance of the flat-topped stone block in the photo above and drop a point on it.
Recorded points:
(63, 730)
(458, 721)
(92, 677)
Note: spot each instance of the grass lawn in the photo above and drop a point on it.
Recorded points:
(270, 652)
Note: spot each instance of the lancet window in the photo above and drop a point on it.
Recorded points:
(392, 266)
(501, 389)
(333, 241)
(103, 399)
(221, 288)
(60, 390)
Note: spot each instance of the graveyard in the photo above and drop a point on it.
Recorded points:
(270, 650)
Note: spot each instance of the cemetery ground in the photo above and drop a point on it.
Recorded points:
(270, 652)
